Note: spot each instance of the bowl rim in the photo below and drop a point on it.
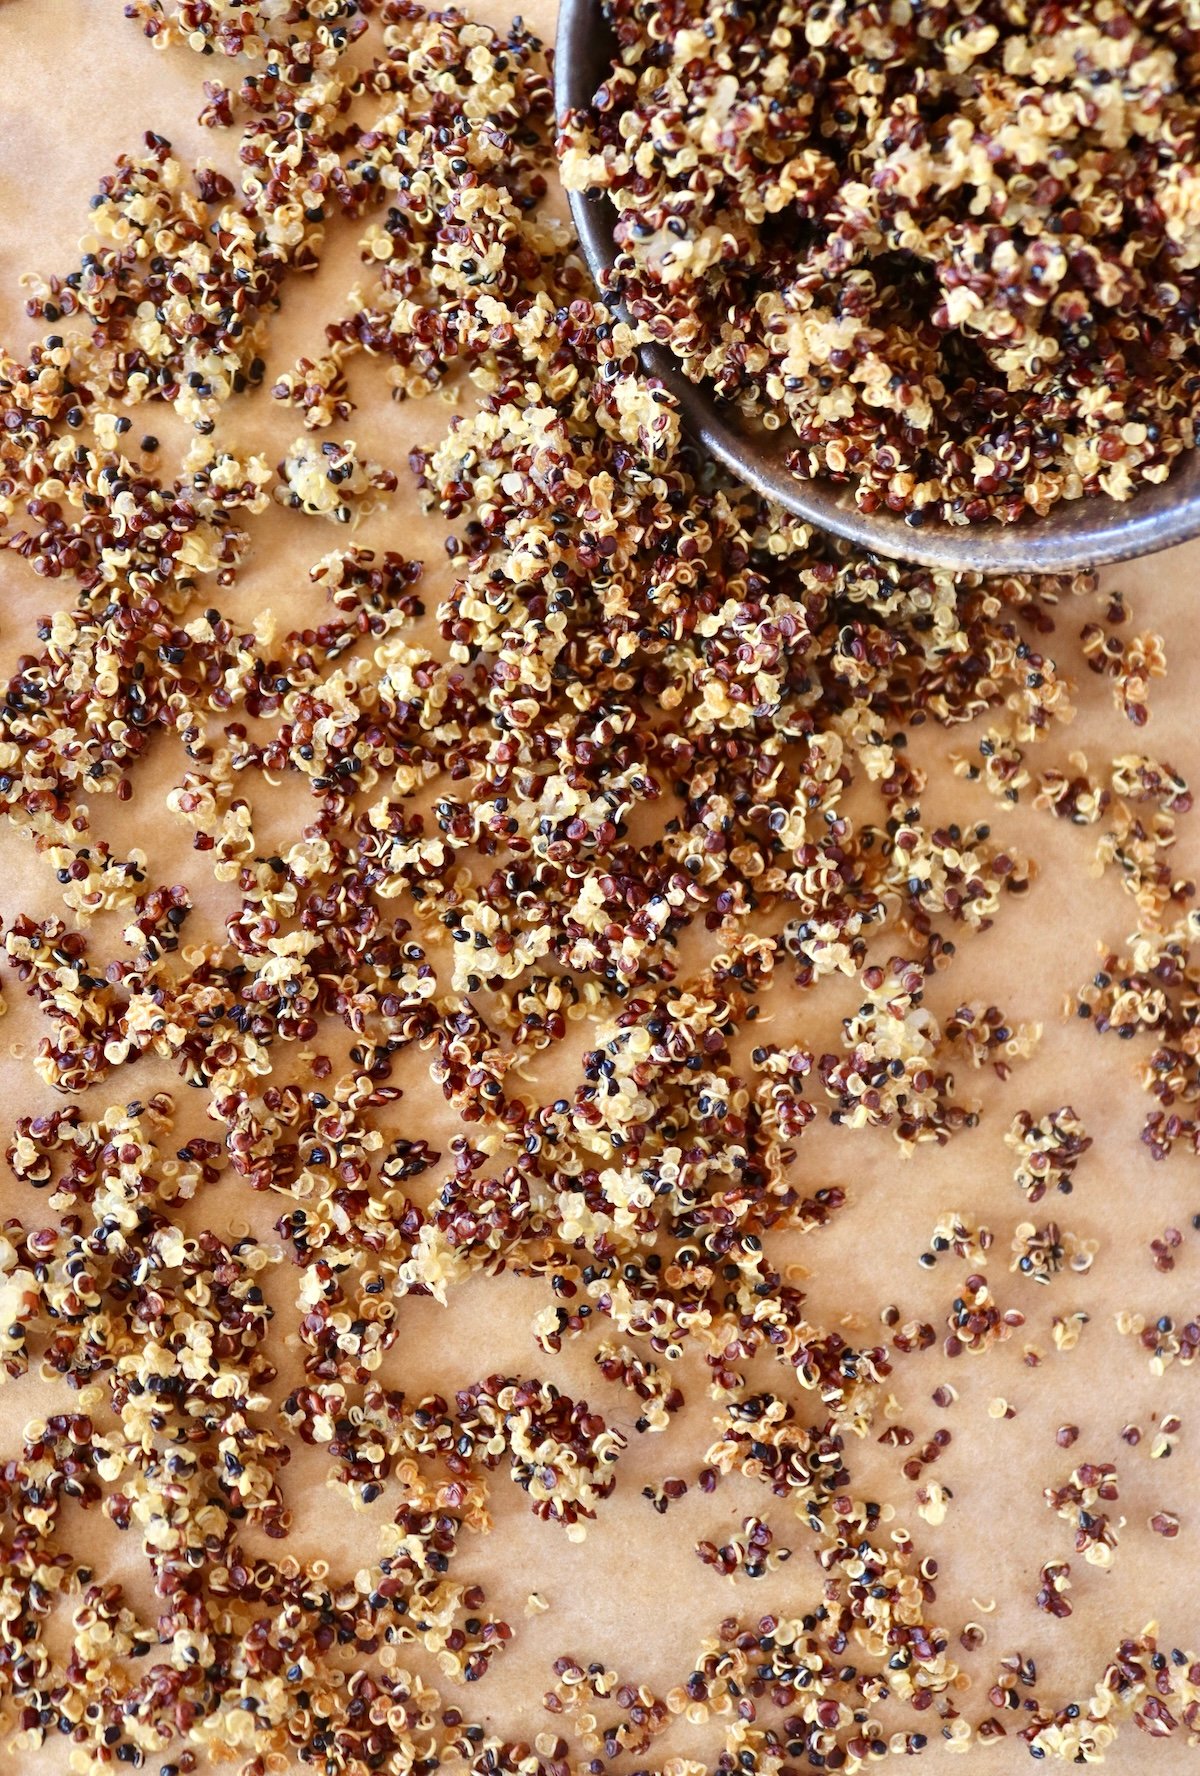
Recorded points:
(1085, 533)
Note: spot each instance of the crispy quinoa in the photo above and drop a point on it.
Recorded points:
(953, 247)
(640, 775)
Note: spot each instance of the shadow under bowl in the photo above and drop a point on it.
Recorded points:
(1078, 533)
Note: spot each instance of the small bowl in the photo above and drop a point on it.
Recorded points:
(1078, 533)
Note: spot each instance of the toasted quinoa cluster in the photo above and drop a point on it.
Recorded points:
(642, 777)
(1048, 1149)
(953, 247)
(1078, 1501)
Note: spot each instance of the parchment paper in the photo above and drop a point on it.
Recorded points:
(80, 83)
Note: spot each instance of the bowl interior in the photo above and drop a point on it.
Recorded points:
(1078, 533)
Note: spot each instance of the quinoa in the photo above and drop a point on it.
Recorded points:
(950, 250)
(1048, 1150)
(1077, 1500)
(640, 772)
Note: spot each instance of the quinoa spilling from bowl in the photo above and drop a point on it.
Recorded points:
(953, 246)
(614, 879)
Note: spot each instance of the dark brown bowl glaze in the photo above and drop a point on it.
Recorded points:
(1078, 533)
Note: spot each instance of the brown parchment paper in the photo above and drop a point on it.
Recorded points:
(79, 84)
